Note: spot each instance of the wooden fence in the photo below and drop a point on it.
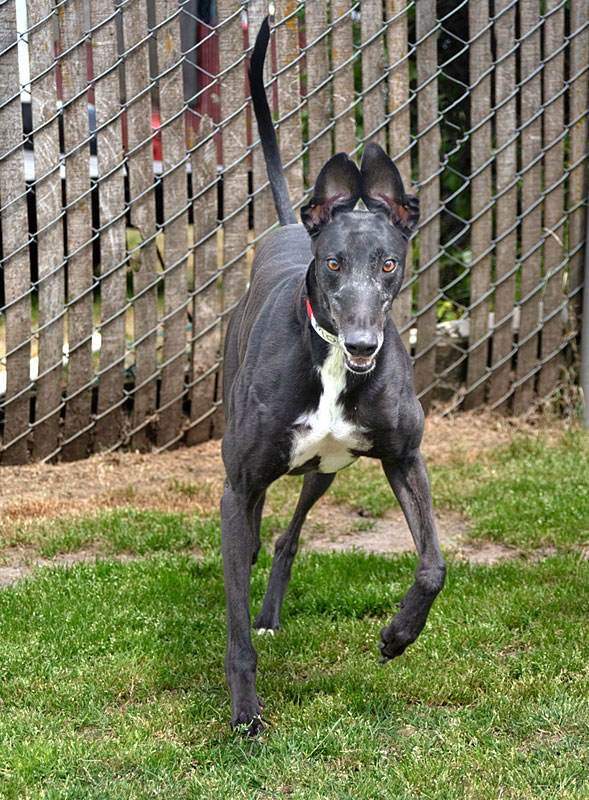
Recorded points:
(133, 192)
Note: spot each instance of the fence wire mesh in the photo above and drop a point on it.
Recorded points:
(133, 193)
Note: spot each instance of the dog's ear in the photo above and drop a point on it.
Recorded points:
(383, 191)
(337, 189)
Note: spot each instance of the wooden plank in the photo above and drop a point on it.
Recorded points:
(109, 422)
(15, 263)
(142, 214)
(429, 231)
(531, 191)
(506, 203)
(398, 114)
(289, 97)
(76, 131)
(206, 295)
(235, 188)
(554, 165)
(579, 133)
(373, 87)
(40, 16)
(264, 211)
(317, 97)
(480, 60)
(399, 126)
(169, 54)
(343, 76)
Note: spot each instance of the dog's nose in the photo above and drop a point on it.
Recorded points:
(361, 344)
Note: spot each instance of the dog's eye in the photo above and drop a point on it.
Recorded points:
(389, 265)
(333, 264)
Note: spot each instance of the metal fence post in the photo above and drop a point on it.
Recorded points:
(585, 331)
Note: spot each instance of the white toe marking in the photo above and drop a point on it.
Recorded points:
(263, 631)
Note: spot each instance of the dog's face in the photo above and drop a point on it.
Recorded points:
(359, 266)
(359, 256)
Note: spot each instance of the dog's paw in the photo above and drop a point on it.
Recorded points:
(265, 631)
(267, 621)
(250, 724)
(394, 640)
(249, 730)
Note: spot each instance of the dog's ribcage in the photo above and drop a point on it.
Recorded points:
(324, 432)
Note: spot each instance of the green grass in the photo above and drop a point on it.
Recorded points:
(112, 684)
(527, 495)
(122, 530)
(111, 677)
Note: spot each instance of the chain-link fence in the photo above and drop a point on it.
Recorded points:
(133, 192)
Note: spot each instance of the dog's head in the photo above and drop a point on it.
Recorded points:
(359, 256)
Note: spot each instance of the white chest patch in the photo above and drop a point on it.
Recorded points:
(324, 433)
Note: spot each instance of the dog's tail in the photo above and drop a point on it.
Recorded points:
(284, 209)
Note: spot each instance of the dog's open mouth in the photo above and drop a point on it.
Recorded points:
(360, 363)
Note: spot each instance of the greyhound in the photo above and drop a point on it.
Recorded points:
(315, 375)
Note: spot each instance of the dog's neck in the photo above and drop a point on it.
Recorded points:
(318, 346)
(314, 296)
(330, 338)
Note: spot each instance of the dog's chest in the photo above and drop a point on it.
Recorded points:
(323, 439)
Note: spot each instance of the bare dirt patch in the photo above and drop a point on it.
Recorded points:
(191, 479)
(470, 436)
(187, 479)
(334, 528)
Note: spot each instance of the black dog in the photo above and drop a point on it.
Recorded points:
(315, 375)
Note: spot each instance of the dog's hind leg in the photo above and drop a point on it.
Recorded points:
(237, 539)
(410, 483)
(315, 485)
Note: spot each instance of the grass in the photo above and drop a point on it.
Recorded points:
(529, 494)
(111, 673)
(112, 684)
(124, 530)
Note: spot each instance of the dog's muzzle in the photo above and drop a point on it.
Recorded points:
(360, 352)
(359, 364)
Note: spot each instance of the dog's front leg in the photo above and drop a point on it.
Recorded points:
(237, 537)
(314, 486)
(410, 483)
